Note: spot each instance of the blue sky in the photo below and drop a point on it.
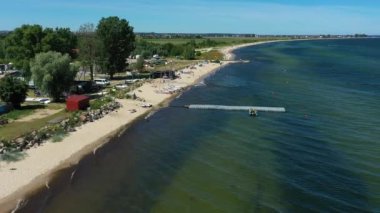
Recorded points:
(202, 16)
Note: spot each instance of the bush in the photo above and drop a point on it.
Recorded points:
(58, 135)
(189, 53)
(13, 90)
(212, 55)
(98, 103)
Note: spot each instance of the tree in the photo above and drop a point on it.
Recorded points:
(13, 90)
(28, 40)
(53, 73)
(89, 47)
(60, 40)
(22, 45)
(189, 53)
(2, 49)
(118, 41)
(140, 63)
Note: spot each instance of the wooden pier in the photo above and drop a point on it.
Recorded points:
(236, 108)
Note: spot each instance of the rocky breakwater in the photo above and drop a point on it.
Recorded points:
(38, 137)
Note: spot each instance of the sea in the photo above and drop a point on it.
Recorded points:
(322, 155)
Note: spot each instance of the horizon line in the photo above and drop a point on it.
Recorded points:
(229, 33)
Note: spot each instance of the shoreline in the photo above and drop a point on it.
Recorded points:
(22, 178)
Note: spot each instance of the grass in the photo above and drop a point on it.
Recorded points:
(221, 41)
(212, 55)
(29, 109)
(17, 129)
(55, 106)
(98, 103)
(174, 65)
(175, 41)
(18, 113)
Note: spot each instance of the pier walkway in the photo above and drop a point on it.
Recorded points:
(236, 108)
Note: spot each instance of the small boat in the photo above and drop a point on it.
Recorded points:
(253, 112)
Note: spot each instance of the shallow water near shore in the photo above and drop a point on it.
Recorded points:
(323, 155)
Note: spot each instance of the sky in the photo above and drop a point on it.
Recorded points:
(202, 16)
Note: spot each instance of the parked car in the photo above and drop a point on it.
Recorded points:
(44, 100)
(121, 86)
(131, 81)
(102, 82)
(83, 87)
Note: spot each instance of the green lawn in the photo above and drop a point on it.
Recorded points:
(212, 55)
(174, 41)
(29, 109)
(17, 129)
(222, 41)
(173, 65)
(18, 113)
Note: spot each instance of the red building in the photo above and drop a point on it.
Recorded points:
(77, 102)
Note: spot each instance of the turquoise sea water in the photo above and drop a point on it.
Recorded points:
(323, 155)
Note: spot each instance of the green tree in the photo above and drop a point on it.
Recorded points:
(188, 53)
(177, 50)
(118, 41)
(53, 73)
(22, 45)
(13, 90)
(28, 40)
(89, 47)
(2, 49)
(60, 40)
(192, 43)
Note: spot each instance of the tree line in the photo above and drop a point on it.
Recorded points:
(185, 51)
(46, 55)
(107, 44)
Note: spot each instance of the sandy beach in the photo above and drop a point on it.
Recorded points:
(228, 51)
(20, 177)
